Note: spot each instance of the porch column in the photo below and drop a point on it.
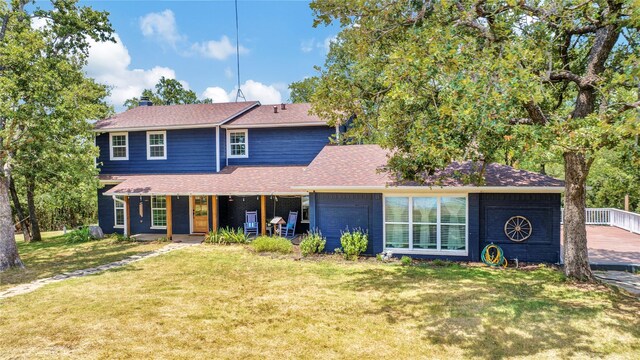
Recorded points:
(214, 212)
(169, 218)
(127, 220)
(263, 214)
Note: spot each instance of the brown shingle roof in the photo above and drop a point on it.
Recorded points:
(171, 116)
(363, 166)
(232, 180)
(294, 114)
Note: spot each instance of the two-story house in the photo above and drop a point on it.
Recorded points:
(189, 169)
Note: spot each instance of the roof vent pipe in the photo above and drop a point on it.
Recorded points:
(283, 106)
(275, 109)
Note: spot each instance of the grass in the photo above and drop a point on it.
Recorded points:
(54, 255)
(274, 244)
(228, 302)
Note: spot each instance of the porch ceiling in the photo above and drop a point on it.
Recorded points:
(232, 180)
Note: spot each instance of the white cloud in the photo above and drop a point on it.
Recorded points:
(218, 50)
(109, 62)
(307, 46)
(328, 41)
(162, 27)
(228, 73)
(252, 90)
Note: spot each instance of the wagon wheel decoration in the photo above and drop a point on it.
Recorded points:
(518, 228)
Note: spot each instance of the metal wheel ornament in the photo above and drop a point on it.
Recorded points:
(518, 228)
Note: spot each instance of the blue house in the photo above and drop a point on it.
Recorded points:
(190, 169)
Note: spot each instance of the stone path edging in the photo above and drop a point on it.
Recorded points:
(625, 280)
(34, 285)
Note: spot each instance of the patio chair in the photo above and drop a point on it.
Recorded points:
(251, 222)
(289, 230)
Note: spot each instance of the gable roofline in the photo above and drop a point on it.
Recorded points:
(259, 126)
(432, 189)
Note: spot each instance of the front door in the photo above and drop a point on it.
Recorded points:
(200, 207)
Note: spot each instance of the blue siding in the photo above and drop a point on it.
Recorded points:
(333, 213)
(188, 151)
(106, 212)
(542, 210)
(284, 146)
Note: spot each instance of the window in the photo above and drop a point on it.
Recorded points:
(118, 146)
(158, 212)
(237, 144)
(119, 212)
(304, 215)
(156, 145)
(427, 224)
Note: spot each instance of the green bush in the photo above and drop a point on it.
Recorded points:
(405, 260)
(275, 244)
(227, 236)
(79, 235)
(116, 237)
(354, 243)
(312, 243)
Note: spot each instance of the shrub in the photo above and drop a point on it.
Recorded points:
(405, 260)
(116, 237)
(79, 235)
(312, 243)
(275, 244)
(227, 236)
(354, 243)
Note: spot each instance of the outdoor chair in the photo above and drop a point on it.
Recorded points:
(289, 230)
(251, 222)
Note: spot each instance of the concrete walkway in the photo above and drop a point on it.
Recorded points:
(623, 279)
(34, 285)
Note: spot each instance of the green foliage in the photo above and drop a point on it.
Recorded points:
(226, 235)
(302, 91)
(167, 92)
(119, 238)
(79, 235)
(354, 243)
(440, 263)
(312, 243)
(406, 261)
(275, 244)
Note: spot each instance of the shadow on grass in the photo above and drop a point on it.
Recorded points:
(495, 313)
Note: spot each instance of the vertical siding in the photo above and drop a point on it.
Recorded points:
(284, 146)
(188, 151)
(333, 213)
(542, 210)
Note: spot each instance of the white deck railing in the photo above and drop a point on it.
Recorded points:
(613, 217)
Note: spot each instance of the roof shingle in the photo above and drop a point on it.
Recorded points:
(294, 114)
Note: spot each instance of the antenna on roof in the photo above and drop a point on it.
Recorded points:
(239, 94)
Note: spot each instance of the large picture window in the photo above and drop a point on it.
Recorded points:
(118, 146)
(119, 212)
(428, 224)
(158, 212)
(156, 145)
(237, 144)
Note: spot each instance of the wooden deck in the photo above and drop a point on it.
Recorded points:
(612, 245)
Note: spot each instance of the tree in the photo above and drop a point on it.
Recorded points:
(302, 91)
(168, 92)
(42, 84)
(476, 80)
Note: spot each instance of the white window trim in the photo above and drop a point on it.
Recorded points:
(246, 145)
(164, 134)
(410, 249)
(152, 208)
(304, 221)
(126, 136)
(115, 212)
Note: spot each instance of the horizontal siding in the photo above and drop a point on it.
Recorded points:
(188, 151)
(284, 146)
(106, 212)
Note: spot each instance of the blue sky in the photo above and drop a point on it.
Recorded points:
(194, 42)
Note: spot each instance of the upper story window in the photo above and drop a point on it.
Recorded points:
(156, 145)
(237, 144)
(119, 146)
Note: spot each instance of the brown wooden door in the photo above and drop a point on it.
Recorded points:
(200, 208)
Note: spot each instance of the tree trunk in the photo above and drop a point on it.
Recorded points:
(9, 257)
(575, 253)
(35, 226)
(24, 221)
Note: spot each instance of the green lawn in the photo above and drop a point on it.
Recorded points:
(54, 256)
(228, 302)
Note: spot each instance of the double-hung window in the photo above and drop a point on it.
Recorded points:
(158, 212)
(304, 218)
(118, 146)
(426, 224)
(156, 145)
(119, 214)
(237, 144)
